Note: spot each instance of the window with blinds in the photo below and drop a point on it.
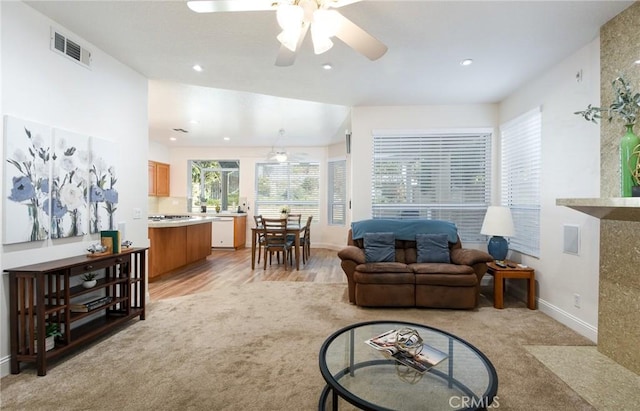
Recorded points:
(521, 157)
(337, 192)
(440, 176)
(288, 184)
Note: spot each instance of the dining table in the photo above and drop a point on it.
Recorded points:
(295, 229)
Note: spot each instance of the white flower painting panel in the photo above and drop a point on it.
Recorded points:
(26, 180)
(69, 185)
(103, 193)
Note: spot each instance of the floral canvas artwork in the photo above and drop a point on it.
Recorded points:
(103, 194)
(26, 181)
(57, 183)
(69, 185)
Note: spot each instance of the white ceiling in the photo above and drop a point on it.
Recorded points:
(241, 94)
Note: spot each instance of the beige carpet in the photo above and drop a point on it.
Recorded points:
(255, 347)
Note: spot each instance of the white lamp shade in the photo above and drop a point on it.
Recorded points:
(498, 221)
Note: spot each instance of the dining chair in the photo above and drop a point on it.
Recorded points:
(275, 240)
(260, 226)
(294, 218)
(305, 241)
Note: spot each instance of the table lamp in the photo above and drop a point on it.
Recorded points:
(498, 224)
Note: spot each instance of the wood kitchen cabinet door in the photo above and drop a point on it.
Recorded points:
(152, 178)
(159, 181)
(162, 180)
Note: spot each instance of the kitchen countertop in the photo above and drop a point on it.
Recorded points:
(181, 222)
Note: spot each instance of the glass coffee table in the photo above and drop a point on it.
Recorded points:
(366, 378)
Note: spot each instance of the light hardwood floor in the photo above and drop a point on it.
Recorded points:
(224, 267)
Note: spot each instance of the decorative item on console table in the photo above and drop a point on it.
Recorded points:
(52, 331)
(89, 280)
(625, 107)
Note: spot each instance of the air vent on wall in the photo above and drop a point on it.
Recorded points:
(61, 44)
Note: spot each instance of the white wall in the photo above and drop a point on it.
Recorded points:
(570, 169)
(108, 101)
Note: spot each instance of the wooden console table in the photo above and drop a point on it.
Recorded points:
(42, 294)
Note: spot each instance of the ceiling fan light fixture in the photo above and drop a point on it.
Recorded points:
(290, 17)
(325, 22)
(321, 42)
(281, 157)
(289, 39)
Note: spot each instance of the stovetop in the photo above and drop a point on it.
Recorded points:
(161, 217)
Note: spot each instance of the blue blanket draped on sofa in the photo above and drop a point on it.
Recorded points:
(404, 229)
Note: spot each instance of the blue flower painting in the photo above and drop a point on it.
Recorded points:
(26, 181)
(57, 183)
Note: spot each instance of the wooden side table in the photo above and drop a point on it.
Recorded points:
(499, 274)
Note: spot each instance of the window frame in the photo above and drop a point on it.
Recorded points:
(331, 198)
(427, 146)
(521, 177)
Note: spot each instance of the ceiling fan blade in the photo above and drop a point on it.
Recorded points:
(358, 39)
(211, 6)
(287, 57)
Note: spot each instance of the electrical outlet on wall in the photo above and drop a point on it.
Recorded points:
(576, 300)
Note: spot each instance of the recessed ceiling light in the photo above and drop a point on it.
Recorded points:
(327, 66)
(172, 138)
(226, 138)
(637, 62)
(466, 62)
(194, 122)
(197, 67)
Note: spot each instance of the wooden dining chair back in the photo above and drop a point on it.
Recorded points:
(305, 241)
(276, 241)
(260, 227)
(294, 219)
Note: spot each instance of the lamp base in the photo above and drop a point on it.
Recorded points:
(498, 247)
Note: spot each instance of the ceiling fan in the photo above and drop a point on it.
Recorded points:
(280, 155)
(296, 17)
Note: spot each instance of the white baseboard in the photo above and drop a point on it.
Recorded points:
(576, 324)
(5, 366)
(570, 320)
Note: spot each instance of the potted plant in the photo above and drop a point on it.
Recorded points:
(284, 211)
(51, 331)
(89, 280)
(626, 108)
(217, 206)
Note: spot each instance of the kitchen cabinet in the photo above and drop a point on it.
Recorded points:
(159, 181)
(176, 246)
(229, 231)
(46, 294)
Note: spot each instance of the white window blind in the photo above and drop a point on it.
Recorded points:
(520, 175)
(287, 184)
(337, 195)
(443, 176)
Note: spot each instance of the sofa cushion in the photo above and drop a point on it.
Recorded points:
(379, 247)
(383, 268)
(383, 278)
(440, 268)
(465, 280)
(432, 248)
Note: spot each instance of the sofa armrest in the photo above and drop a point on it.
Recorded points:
(351, 252)
(464, 256)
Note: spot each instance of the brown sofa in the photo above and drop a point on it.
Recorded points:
(406, 283)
